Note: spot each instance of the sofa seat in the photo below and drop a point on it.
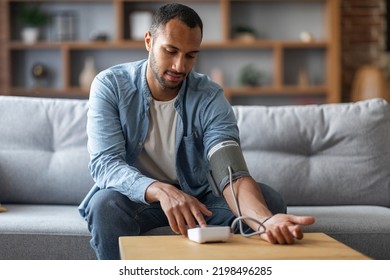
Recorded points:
(362, 227)
(44, 232)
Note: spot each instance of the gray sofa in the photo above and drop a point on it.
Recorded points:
(330, 161)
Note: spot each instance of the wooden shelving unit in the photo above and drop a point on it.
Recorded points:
(283, 54)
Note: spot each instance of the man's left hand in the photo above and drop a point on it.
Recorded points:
(284, 228)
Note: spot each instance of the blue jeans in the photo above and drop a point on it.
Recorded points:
(110, 215)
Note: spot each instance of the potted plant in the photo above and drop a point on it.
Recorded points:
(249, 76)
(32, 18)
(245, 33)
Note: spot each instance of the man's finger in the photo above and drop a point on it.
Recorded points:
(204, 210)
(296, 231)
(267, 236)
(189, 218)
(172, 223)
(287, 235)
(301, 220)
(182, 225)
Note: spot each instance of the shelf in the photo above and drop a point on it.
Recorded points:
(281, 91)
(290, 90)
(50, 92)
(230, 44)
(276, 51)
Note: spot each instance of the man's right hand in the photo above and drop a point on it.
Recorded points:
(181, 209)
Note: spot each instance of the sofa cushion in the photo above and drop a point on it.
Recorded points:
(44, 232)
(332, 154)
(364, 228)
(43, 219)
(43, 150)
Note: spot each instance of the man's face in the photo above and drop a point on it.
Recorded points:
(172, 54)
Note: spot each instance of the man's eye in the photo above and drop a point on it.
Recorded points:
(172, 52)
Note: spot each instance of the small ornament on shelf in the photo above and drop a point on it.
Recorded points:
(306, 37)
(217, 76)
(140, 22)
(2, 208)
(99, 36)
(303, 78)
(87, 74)
(40, 74)
(64, 26)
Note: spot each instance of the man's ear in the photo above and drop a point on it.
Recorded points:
(148, 41)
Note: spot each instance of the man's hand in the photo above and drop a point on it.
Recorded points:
(181, 209)
(284, 228)
(280, 228)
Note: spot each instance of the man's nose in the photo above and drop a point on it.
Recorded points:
(179, 64)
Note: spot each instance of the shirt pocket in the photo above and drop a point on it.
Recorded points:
(191, 161)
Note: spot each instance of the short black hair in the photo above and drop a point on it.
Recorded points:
(174, 10)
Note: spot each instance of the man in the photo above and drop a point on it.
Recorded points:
(153, 127)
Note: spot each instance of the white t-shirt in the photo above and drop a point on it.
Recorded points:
(158, 158)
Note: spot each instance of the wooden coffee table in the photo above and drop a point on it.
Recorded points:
(317, 246)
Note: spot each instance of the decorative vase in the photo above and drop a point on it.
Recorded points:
(30, 35)
(217, 76)
(87, 74)
(303, 78)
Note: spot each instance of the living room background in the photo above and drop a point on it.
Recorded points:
(362, 41)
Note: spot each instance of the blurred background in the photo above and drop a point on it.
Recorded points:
(262, 52)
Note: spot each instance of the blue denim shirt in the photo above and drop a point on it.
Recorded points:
(117, 127)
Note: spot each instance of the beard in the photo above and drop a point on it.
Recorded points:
(161, 80)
